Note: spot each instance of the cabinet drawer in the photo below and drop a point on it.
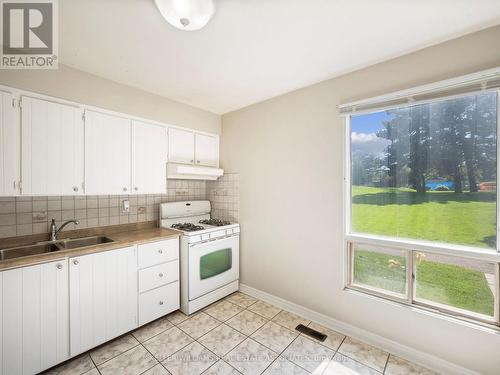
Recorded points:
(158, 302)
(153, 277)
(153, 253)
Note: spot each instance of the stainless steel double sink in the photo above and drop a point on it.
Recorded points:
(51, 246)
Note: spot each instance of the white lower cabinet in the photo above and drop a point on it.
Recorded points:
(103, 297)
(34, 326)
(53, 311)
(158, 279)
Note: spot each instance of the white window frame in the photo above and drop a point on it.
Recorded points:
(413, 246)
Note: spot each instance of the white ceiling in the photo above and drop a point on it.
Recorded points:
(253, 50)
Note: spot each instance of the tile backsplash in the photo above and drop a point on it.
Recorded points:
(224, 195)
(31, 215)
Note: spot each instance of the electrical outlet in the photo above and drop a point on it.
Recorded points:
(125, 206)
(141, 210)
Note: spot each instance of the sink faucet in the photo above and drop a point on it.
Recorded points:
(54, 230)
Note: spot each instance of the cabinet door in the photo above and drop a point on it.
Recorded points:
(103, 297)
(35, 319)
(10, 145)
(149, 158)
(107, 154)
(52, 148)
(180, 146)
(207, 150)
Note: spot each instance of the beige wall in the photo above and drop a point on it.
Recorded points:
(75, 85)
(288, 152)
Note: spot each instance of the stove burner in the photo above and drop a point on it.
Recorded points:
(215, 222)
(187, 227)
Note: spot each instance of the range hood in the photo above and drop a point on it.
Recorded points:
(192, 172)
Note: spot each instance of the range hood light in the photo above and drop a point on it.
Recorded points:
(187, 15)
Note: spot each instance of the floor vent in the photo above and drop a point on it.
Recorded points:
(311, 332)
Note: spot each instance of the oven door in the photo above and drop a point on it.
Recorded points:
(212, 265)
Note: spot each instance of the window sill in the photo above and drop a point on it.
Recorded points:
(491, 328)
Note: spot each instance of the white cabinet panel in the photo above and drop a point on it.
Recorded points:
(180, 146)
(52, 148)
(207, 150)
(10, 145)
(103, 297)
(149, 158)
(35, 319)
(107, 154)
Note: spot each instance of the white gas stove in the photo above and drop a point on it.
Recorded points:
(209, 253)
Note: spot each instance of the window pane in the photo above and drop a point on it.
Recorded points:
(379, 268)
(455, 282)
(427, 171)
(215, 263)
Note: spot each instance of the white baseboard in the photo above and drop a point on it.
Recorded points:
(406, 352)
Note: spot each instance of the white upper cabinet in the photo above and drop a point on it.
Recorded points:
(10, 145)
(180, 146)
(206, 150)
(107, 154)
(149, 158)
(34, 308)
(52, 148)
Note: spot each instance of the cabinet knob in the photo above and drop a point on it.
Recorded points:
(75, 262)
(75, 188)
(160, 251)
(59, 266)
(136, 188)
(160, 275)
(124, 189)
(161, 303)
(192, 161)
(198, 161)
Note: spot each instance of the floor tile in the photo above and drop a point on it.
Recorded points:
(192, 360)
(152, 329)
(113, 348)
(307, 353)
(223, 310)
(284, 367)
(246, 322)
(400, 366)
(342, 365)
(198, 325)
(75, 366)
(289, 320)
(333, 340)
(94, 371)
(157, 370)
(364, 353)
(222, 339)
(265, 309)
(250, 357)
(241, 299)
(274, 336)
(133, 362)
(221, 368)
(177, 317)
(167, 343)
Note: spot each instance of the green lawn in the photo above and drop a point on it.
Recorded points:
(443, 283)
(467, 218)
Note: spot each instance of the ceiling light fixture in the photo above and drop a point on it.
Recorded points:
(188, 15)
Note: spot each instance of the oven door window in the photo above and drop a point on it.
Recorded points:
(215, 263)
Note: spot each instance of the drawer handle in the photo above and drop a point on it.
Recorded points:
(160, 274)
(160, 251)
(161, 303)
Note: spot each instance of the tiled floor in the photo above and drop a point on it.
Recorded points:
(238, 335)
